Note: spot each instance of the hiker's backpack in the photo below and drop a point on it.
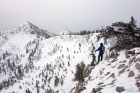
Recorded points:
(103, 49)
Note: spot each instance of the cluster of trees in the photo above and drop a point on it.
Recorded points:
(12, 67)
(127, 34)
(85, 32)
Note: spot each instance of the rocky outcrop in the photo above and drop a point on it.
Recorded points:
(122, 71)
(131, 74)
(137, 66)
(120, 89)
(121, 66)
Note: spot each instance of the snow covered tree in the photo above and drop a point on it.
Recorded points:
(56, 81)
(68, 63)
(126, 28)
(79, 44)
(125, 33)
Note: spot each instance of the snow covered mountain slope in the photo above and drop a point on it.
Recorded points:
(39, 65)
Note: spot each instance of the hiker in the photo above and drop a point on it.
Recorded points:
(101, 50)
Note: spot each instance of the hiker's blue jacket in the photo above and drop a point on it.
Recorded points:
(99, 49)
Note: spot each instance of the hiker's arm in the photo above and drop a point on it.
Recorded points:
(98, 49)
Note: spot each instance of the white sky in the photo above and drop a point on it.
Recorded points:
(74, 15)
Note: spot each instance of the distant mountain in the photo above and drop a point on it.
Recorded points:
(28, 28)
(65, 32)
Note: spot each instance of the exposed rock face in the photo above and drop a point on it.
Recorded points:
(130, 52)
(121, 66)
(138, 77)
(131, 74)
(112, 75)
(138, 84)
(122, 71)
(131, 60)
(137, 66)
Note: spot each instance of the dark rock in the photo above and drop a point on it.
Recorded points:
(121, 66)
(131, 52)
(99, 89)
(138, 84)
(100, 83)
(131, 74)
(94, 90)
(122, 71)
(137, 66)
(120, 89)
(112, 75)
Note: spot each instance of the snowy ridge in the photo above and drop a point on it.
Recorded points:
(48, 65)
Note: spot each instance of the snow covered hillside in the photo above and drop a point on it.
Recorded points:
(30, 64)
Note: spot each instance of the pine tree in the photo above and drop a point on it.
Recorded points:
(79, 72)
(3, 56)
(125, 33)
(56, 82)
(0, 69)
(68, 63)
(27, 50)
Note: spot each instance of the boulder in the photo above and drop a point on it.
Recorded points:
(122, 71)
(120, 89)
(137, 66)
(131, 74)
(130, 61)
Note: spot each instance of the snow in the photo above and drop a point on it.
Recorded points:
(57, 51)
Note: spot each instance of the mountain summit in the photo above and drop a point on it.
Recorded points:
(28, 28)
(32, 29)
(65, 32)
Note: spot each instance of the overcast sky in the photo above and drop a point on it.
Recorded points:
(74, 15)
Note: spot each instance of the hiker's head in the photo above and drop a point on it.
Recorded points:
(101, 44)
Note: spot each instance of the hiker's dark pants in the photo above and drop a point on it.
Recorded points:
(100, 56)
